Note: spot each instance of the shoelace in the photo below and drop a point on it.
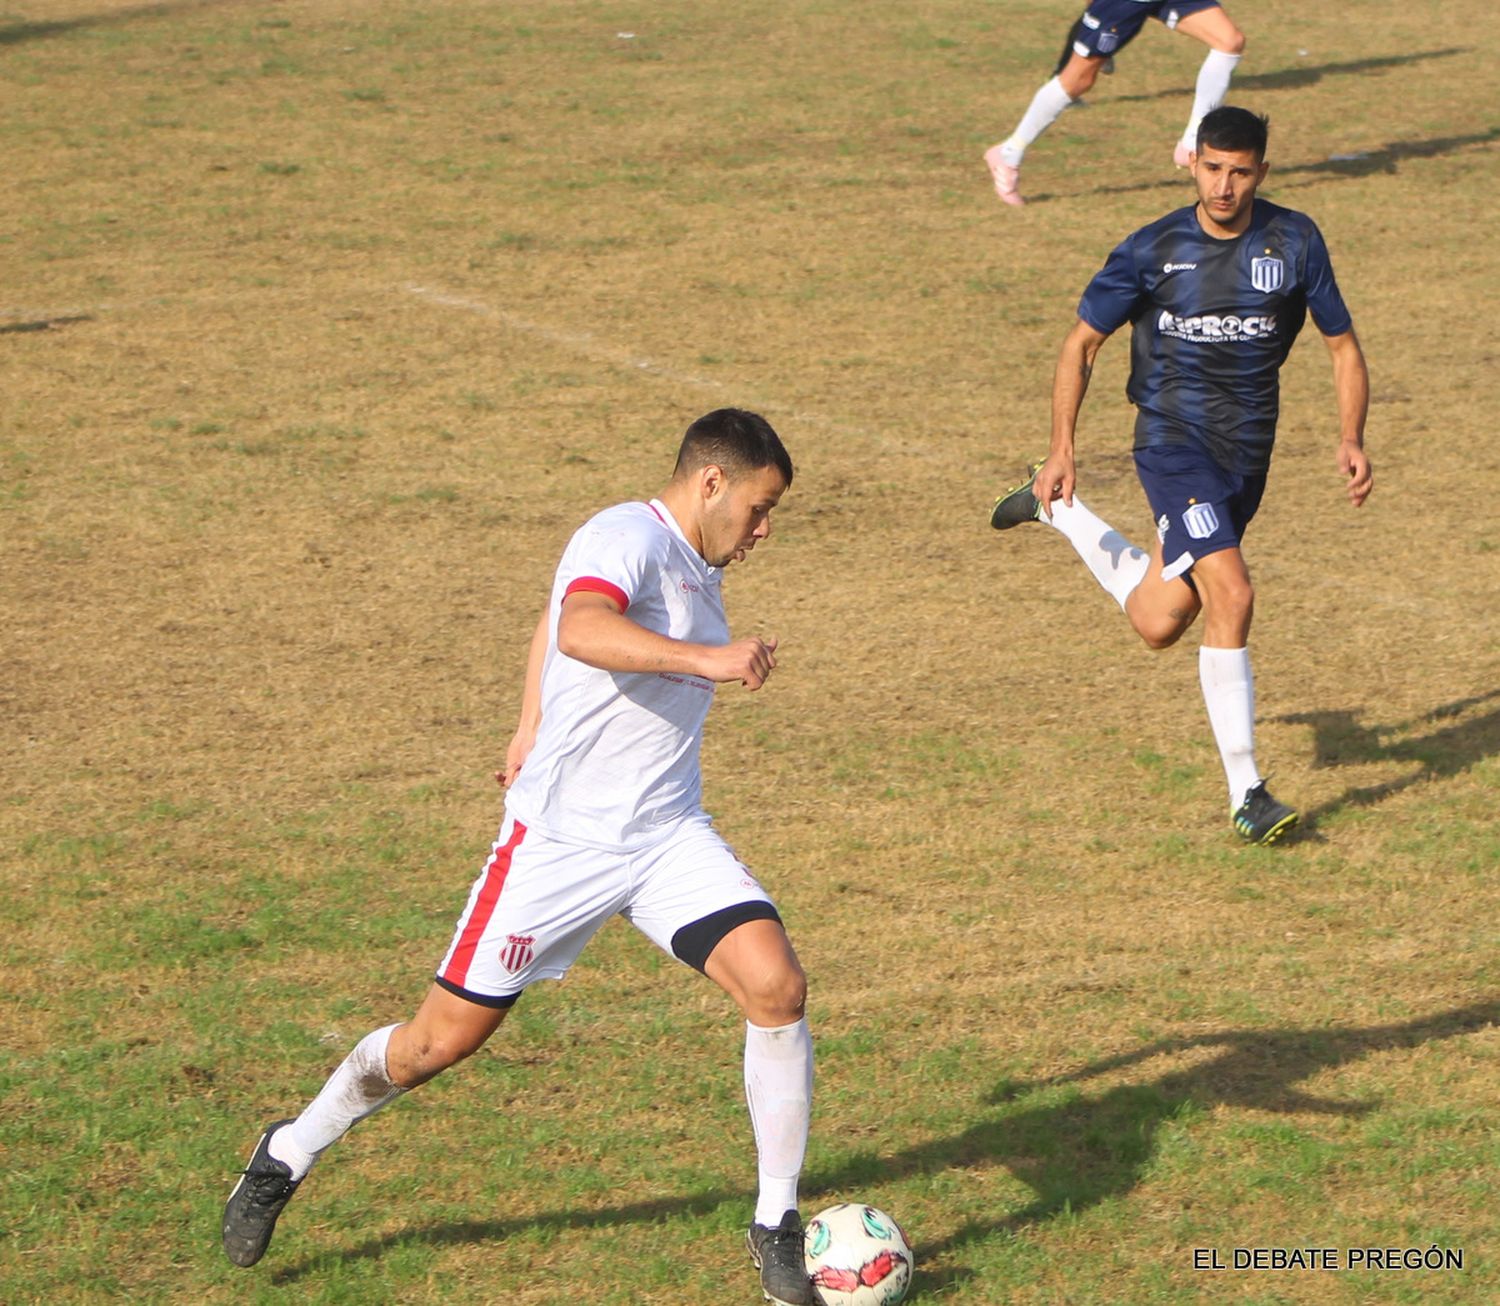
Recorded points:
(267, 1188)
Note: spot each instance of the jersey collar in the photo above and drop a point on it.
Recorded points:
(670, 522)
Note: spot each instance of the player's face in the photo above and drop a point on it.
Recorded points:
(737, 515)
(1226, 181)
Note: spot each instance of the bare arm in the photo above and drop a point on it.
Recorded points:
(592, 629)
(531, 706)
(1351, 384)
(1070, 382)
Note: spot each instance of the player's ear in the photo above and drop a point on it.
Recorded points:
(712, 481)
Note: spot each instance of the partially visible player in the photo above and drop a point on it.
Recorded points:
(1216, 294)
(1106, 28)
(604, 818)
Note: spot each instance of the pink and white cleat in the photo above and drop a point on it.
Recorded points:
(1007, 178)
(1182, 156)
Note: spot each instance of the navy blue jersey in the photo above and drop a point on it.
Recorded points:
(1214, 320)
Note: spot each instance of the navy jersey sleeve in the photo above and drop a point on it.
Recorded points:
(1115, 295)
(1323, 299)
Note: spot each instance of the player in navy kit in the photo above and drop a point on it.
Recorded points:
(1216, 294)
(1106, 28)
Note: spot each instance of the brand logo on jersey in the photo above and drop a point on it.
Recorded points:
(1163, 525)
(1266, 274)
(1170, 268)
(1201, 520)
(518, 951)
(1215, 328)
(689, 588)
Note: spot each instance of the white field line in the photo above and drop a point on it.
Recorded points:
(587, 345)
(579, 342)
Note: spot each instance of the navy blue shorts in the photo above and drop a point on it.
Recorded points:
(1108, 26)
(1199, 507)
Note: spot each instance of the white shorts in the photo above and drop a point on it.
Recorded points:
(539, 900)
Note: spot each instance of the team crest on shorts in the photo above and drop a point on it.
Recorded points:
(1201, 520)
(1266, 274)
(517, 952)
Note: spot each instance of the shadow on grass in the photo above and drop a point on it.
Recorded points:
(1294, 176)
(18, 33)
(1297, 76)
(1340, 740)
(1093, 1148)
(1072, 1155)
(44, 324)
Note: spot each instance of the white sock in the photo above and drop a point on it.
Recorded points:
(1229, 692)
(778, 1088)
(1213, 86)
(1116, 564)
(1046, 105)
(358, 1088)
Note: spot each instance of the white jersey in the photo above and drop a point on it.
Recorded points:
(616, 759)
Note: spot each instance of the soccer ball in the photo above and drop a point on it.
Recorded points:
(857, 1256)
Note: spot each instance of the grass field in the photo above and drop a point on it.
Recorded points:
(322, 326)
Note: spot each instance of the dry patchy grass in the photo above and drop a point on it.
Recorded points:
(323, 326)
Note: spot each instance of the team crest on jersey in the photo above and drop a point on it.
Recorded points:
(1200, 520)
(517, 952)
(1108, 42)
(1266, 274)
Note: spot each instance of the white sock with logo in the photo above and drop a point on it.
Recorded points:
(1213, 86)
(357, 1089)
(778, 1089)
(1116, 563)
(1046, 106)
(1229, 692)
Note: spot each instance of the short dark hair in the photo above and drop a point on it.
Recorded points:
(736, 440)
(1229, 128)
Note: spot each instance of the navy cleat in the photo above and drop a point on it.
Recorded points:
(1260, 818)
(265, 1187)
(1018, 505)
(778, 1255)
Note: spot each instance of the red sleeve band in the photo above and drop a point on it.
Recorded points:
(595, 585)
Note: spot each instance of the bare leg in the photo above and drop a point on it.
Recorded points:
(756, 966)
(1226, 43)
(1161, 610)
(1004, 160)
(445, 1030)
(382, 1066)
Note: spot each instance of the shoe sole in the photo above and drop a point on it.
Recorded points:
(1010, 494)
(1273, 834)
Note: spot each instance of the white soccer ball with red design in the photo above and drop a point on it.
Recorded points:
(857, 1256)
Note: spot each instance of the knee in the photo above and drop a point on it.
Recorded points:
(778, 997)
(1079, 76)
(429, 1051)
(1158, 639)
(1233, 44)
(1235, 600)
(1159, 630)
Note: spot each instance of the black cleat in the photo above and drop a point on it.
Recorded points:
(250, 1213)
(777, 1253)
(1017, 505)
(1260, 818)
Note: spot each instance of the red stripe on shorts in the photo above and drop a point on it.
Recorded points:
(457, 970)
(594, 585)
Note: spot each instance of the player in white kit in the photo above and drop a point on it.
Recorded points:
(604, 817)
